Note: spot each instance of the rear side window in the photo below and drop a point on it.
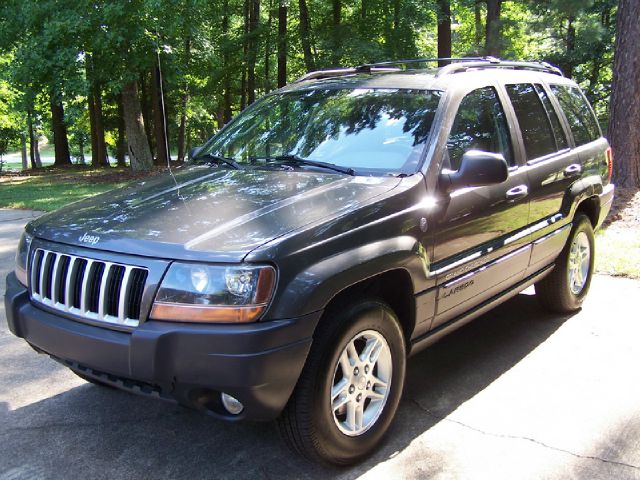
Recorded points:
(480, 124)
(582, 122)
(552, 116)
(537, 132)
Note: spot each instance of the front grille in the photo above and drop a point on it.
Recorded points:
(93, 289)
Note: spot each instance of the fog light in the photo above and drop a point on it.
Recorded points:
(233, 405)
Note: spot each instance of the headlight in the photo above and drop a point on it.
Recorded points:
(22, 256)
(214, 293)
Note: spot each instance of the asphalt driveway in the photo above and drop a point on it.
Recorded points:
(517, 394)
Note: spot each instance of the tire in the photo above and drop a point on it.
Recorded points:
(309, 424)
(565, 288)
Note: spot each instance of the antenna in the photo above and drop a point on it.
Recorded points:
(163, 111)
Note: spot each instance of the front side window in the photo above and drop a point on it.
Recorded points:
(480, 124)
(368, 130)
(535, 125)
(582, 122)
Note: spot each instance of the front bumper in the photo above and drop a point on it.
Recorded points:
(258, 363)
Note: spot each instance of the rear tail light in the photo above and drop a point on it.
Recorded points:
(609, 156)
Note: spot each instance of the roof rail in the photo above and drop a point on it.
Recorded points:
(458, 64)
(491, 62)
(338, 72)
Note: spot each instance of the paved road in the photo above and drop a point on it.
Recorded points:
(517, 394)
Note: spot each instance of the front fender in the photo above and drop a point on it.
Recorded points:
(312, 289)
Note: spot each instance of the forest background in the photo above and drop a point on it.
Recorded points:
(86, 78)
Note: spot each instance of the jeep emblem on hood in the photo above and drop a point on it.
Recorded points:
(92, 239)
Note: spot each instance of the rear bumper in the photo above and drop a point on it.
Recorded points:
(257, 363)
(606, 199)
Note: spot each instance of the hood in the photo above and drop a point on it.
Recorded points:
(203, 213)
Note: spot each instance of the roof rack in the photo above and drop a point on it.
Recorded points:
(491, 62)
(338, 72)
(458, 64)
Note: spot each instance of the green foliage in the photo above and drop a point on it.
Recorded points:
(60, 48)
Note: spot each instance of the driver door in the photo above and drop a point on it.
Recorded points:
(477, 250)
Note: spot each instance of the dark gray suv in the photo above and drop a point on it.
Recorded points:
(335, 227)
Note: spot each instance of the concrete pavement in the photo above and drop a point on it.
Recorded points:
(516, 394)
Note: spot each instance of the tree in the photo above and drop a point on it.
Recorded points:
(625, 107)
(282, 43)
(493, 37)
(444, 30)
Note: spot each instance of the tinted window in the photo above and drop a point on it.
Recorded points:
(535, 126)
(583, 124)
(370, 129)
(561, 139)
(480, 124)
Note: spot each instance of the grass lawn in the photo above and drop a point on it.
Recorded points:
(52, 188)
(618, 252)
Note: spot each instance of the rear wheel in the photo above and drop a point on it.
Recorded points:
(566, 287)
(351, 385)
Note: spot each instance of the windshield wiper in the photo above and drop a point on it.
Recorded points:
(312, 163)
(220, 159)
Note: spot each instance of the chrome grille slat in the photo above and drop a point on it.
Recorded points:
(93, 289)
(67, 290)
(53, 285)
(124, 294)
(83, 290)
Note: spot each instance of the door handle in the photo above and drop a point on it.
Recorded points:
(518, 192)
(572, 170)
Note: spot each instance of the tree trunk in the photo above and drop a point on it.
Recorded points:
(37, 153)
(305, 36)
(60, 140)
(254, 22)
(139, 152)
(23, 151)
(33, 142)
(444, 31)
(227, 95)
(101, 160)
(81, 159)
(624, 122)
(336, 13)
(570, 45)
(121, 148)
(267, 49)
(245, 53)
(282, 43)
(146, 104)
(159, 126)
(493, 35)
(477, 14)
(182, 131)
(94, 103)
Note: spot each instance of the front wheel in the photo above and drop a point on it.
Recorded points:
(566, 287)
(349, 390)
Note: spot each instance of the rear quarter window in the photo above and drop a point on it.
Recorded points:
(533, 119)
(582, 122)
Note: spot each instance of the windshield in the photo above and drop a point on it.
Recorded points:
(367, 130)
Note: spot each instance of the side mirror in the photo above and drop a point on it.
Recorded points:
(194, 152)
(477, 169)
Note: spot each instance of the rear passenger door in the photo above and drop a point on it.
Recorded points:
(473, 257)
(552, 166)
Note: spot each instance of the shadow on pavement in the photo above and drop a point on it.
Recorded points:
(93, 432)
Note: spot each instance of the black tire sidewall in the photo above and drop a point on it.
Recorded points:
(336, 445)
(574, 301)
